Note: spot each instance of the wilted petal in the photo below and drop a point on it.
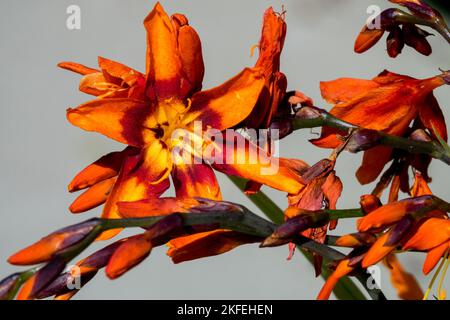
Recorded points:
(432, 117)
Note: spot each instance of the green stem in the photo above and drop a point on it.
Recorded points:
(345, 289)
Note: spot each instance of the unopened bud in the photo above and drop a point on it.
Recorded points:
(362, 139)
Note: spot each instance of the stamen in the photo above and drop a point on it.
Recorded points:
(441, 293)
(430, 286)
(252, 50)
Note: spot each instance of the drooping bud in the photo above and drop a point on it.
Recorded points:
(47, 247)
(362, 139)
(286, 232)
(415, 37)
(395, 42)
(367, 38)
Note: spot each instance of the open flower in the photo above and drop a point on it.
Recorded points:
(145, 112)
(388, 103)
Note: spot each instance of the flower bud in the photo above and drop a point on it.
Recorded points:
(7, 285)
(394, 42)
(369, 203)
(362, 139)
(416, 38)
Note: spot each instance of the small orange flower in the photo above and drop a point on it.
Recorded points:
(387, 103)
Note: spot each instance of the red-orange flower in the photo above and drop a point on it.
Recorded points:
(144, 111)
(389, 103)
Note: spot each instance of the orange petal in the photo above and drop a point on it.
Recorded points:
(342, 269)
(25, 291)
(332, 189)
(206, 244)
(369, 203)
(95, 84)
(128, 255)
(391, 213)
(77, 67)
(104, 168)
(345, 89)
(377, 251)
(432, 233)
(93, 197)
(246, 160)
(432, 117)
(420, 186)
(120, 119)
(190, 51)
(164, 67)
(433, 257)
(195, 180)
(405, 283)
(155, 207)
(373, 163)
(143, 176)
(241, 92)
(117, 72)
(367, 38)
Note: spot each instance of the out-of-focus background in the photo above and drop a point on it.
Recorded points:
(41, 151)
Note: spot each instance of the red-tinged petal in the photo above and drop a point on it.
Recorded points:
(367, 38)
(430, 234)
(405, 283)
(432, 117)
(246, 160)
(190, 51)
(345, 89)
(420, 187)
(77, 67)
(143, 176)
(164, 66)
(241, 92)
(104, 168)
(206, 244)
(195, 180)
(117, 72)
(120, 119)
(129, 254)
(433, 257)
(342, 269)
(373, 163)
(93, 197)
(377, 252)
(332, 189)
(155, 207)
(391, 213)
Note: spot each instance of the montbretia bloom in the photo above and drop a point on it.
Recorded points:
(146, 111)
(388, 103)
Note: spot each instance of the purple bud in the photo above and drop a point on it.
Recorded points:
(362, 139)
(7, 285)
(399, 231)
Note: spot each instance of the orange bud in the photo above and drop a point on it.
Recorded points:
(369, 203)
(93, 197)
(377, 251)
(342, 269)
(367, 38)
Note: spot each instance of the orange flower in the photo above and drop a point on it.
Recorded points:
(432, 233)
(146, 111)
(342, 270)
(387, 103)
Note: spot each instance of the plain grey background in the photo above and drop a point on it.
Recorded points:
(41, 151)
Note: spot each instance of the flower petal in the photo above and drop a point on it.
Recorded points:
(206, 244)
(377, 252)
(164, 68)
(195, 180)
(93, 197)
(432, 233)
(342, 269)
(104, 168)
(118, 119)
(246, 160)
(117, 72)
(432, 117)
(155, 207)
(345, 89)
(240, 93)
(77, 67)
(433, 257)
(373, 163)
